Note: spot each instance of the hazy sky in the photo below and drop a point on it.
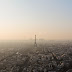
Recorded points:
(22, 19)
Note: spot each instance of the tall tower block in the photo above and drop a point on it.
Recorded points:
(35, 44)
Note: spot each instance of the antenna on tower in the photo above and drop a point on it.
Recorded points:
(35, 44)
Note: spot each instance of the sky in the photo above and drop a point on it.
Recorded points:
(48, 19)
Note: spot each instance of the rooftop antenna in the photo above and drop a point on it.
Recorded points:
(35, 44)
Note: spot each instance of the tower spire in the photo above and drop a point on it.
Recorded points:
(35, 44)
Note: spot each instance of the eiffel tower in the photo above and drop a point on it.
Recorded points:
(35, 44)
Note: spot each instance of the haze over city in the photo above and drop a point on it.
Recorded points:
(48, 19)
(35, 35)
